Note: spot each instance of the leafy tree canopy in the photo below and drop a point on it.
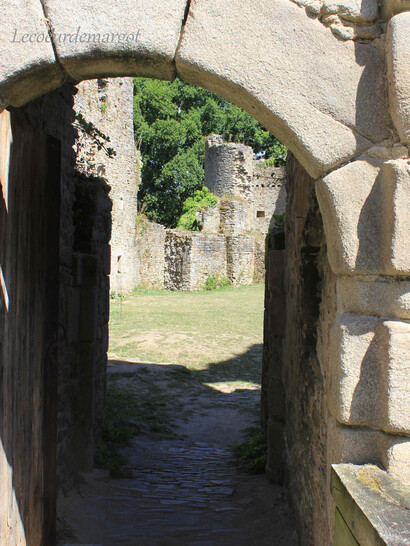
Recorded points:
(172, 121)
(202, 199)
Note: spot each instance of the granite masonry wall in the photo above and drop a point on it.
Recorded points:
(300, 306)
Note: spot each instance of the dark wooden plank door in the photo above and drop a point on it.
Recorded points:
(29, 261)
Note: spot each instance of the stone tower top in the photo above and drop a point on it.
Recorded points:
(228, 168)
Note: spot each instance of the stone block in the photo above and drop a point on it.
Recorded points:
(369, 382)
(356, 11)
(372, 505)
(398, 72)
(307, 87)
(396, 182)
(352, 444)
(395, 457)
(351, 201)
(393, 7)
(366, 216)
(384, 297)
(28, 67)
(130, 38)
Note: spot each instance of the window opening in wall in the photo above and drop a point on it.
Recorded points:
(260, 214)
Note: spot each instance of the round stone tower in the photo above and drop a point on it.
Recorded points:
(228, 168)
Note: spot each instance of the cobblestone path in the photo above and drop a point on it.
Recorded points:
(187, 489)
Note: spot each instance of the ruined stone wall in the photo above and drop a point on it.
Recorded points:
(193, 257)
(108, 104)
(150, 244)
(233, 174)
(240, 258)
(85, 228)
(228, 168)
(268, 195)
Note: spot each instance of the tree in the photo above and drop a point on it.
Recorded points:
(171, 122)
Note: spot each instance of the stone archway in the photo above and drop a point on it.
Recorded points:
(314, 75)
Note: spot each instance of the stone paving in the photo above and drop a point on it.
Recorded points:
(186, 490)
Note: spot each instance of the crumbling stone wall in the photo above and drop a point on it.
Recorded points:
(300, 306)
(150, 246)
(250, 194)
(191, 258)
(268, 196)
(108, 105)
(232, 173)
(85, 229)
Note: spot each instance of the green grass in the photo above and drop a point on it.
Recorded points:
(252, 453)
(213, 339)
(193, 329)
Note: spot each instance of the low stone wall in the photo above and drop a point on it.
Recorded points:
(240, 251)
(150, 244)
(193, 257)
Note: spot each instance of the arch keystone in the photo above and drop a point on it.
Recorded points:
(109, 38)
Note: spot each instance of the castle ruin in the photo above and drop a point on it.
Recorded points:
(231, 243)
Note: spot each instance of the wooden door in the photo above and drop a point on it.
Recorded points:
(29, 276)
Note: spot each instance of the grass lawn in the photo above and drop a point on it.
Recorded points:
(197, 330)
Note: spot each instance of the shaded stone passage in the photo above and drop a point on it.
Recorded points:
(184, 490)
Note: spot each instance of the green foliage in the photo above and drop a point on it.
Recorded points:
(171, 122)
(252, 454)
(216, 281)
(202, 199)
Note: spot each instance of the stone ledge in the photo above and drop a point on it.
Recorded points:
(373, 505)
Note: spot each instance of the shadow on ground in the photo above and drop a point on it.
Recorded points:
(186, 488)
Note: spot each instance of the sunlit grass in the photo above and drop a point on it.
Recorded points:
(193, 329)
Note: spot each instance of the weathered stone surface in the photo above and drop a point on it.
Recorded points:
(396, 182)
(398, 71)
(136, 37)
(108, 104)
(307, 87)
(351, 204)
(352, 10)
(384, 297)
(395, 456)
(368, 446)
(28, 67)
(372, 503)
(392, 7)
(369, 373)
(366, 216)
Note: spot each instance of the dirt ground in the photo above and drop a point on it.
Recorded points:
(186, 487)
